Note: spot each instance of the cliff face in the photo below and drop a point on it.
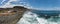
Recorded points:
(11, 15)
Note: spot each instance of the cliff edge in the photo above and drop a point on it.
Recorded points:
(11, 15)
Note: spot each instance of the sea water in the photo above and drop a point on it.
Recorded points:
(40, 17)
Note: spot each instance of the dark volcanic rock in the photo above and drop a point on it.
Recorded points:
(11, 15)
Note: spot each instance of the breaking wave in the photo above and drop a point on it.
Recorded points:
(29, 18)
(32, 18)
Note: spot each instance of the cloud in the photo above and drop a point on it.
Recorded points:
(9, 4)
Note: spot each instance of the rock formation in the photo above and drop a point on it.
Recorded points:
(11, 15)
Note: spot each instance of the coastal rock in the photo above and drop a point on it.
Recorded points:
(11, 15)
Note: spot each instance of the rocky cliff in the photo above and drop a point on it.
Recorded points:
(11, 15)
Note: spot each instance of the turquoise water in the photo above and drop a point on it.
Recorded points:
(46, 14)
(40, 17)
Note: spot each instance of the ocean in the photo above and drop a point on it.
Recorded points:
(40, 17)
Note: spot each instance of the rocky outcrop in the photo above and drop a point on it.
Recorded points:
(11, 15)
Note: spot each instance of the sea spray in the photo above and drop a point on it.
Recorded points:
(32, 18)
(28, 18)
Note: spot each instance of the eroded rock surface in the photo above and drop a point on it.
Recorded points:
(11, 15)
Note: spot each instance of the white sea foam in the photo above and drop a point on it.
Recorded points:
(28, 18)
(31, 18)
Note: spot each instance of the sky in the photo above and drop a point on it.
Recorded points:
(45, 4)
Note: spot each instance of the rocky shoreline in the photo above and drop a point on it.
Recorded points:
(11, 15)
